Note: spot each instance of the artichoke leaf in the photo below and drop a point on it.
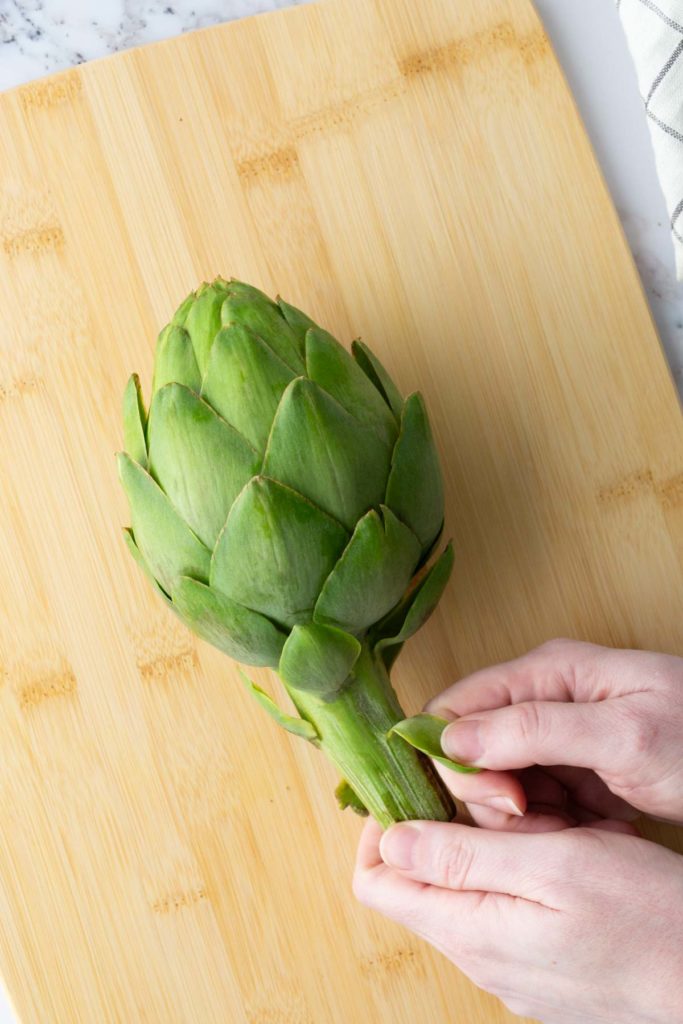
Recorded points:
(134, 421)
(275, 551)
(297, 320)
(405, 620)
(415, 487)
(347, 797)
(200, 461)
(174, 359)
(167, 543)
(319, 449)
(423, 732)
(318, 659)
(334, 369)
(297, 726)
(239, 632)
(203, 320)
(137, 555)
(183, 309)
(264, 317)
(377, 375)
(371, 575)
(244, 382)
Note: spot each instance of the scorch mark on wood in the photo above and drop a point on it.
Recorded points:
(178, 900)
(34, 241)
(18, 387)
(391, 962)
(277, 163)
(638, 482)
(283, 160)
(161, 666)
(49, 93)
(470, 49)
(669, 492)
(59, 683)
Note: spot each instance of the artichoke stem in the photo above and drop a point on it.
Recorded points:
(393, 780)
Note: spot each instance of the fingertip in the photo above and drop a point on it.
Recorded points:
(368, 855)
(435, 706)
(496, 789)
(532, 822)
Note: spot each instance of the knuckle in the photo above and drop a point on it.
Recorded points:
(530, 723)
(555, 645)
(640, 729)
(453, 864)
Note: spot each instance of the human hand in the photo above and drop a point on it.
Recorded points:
(571, 927)
(571, 731)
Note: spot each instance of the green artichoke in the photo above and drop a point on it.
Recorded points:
(284, 500)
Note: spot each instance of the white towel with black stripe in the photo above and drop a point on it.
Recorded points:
(654, 29)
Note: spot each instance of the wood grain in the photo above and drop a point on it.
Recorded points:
(416, 174)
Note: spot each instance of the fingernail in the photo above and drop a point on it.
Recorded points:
(506, 804)
(432, 707)
(462, 742)
(397, 845)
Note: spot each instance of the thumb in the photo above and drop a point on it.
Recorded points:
(453, 856)
(537, 732)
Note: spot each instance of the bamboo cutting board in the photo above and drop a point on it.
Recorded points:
(415, 173)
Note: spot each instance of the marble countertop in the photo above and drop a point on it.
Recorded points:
(41, 36)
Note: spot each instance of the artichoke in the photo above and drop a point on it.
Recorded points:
(284, 500)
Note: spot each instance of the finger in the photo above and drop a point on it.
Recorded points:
(425, 909)
(627, 828)
(462, 858)
(482, 800)
(591, 792)
(537, 732)
(562, 670)
(368, 855)
(498, 790)
(536, 819)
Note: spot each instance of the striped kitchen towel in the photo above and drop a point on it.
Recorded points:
(654, 29)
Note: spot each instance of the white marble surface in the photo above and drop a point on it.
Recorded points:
(41, 36)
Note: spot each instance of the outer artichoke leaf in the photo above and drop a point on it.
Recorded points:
(320, 450)
(347, 797)
(424, 733)
(275, 551)
(247, 291)
(244, 382)
(297, 726)
(415, 487)
(331, 366)
(239, 632)
(134, 421)
(263, 316)
(414, 610)
(203, 320)
(183, 309)
(297, 320)
(137, 555)
(200, 461)
(371, 575)
(318, 659)
(174, 359)
(167, 543)
(377, 375)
